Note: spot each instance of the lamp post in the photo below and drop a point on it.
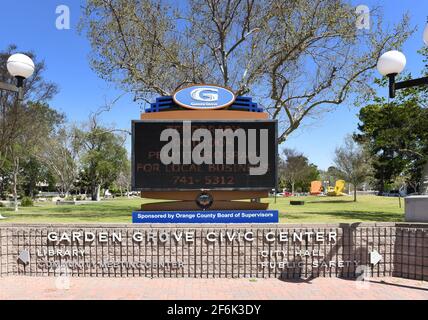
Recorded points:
(21, 67)
(392, 63)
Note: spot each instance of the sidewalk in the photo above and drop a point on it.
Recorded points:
(177, 289)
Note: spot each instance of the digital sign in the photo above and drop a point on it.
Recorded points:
(204, 154)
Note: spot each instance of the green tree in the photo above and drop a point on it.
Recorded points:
(396, 136)
(36, 123)
(296, 171)
(103, 157)
(33, 172)
(331, 175)
(4, 181)
(312, 174)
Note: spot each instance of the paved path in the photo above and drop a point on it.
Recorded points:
(176, 289)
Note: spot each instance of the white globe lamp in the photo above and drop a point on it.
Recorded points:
(426, 35)
(391, 63)
(20, 66)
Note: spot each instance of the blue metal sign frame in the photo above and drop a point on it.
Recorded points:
(166, 103)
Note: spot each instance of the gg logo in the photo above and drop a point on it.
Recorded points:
(204, 97)
(204, 94)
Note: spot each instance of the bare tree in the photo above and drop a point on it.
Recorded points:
(123, 180)
(298, 57)
(352, 163)
(60, 154)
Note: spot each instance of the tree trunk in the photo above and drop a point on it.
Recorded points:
(31, 189)
(15, 190)
(424, 182)
(381, 186)
(292, 188)
(355, 193)
(96, 192)
(1, 217)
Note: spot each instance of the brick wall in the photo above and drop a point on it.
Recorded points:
(160, 251)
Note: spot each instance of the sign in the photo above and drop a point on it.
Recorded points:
(204, 97)
(24, 256)
(223, 216)
(288, 251)
(375, 257)
(171, 155)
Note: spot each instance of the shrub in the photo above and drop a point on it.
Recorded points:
(1, 205)
(27, 202)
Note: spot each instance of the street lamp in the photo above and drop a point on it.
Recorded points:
(392, 63)
(21, 67)
(426, 35)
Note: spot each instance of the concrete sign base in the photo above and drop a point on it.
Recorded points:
(416, 208)
(288, 251)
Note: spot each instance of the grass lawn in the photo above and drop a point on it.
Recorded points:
(341, 209)
(315, 210)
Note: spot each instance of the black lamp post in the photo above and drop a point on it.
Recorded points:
(391, 63)
(393, 86)
(21, 67)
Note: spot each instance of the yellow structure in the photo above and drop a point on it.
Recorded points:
(337, 190)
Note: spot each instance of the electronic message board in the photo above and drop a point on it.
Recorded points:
(204, 154)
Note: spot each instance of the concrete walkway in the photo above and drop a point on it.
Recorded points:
(177, 289)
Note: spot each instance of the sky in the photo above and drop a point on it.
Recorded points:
(30, 24)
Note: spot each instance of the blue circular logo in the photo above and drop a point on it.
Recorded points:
(204, 97)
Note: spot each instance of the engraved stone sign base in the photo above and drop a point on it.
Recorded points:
(216, 251)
